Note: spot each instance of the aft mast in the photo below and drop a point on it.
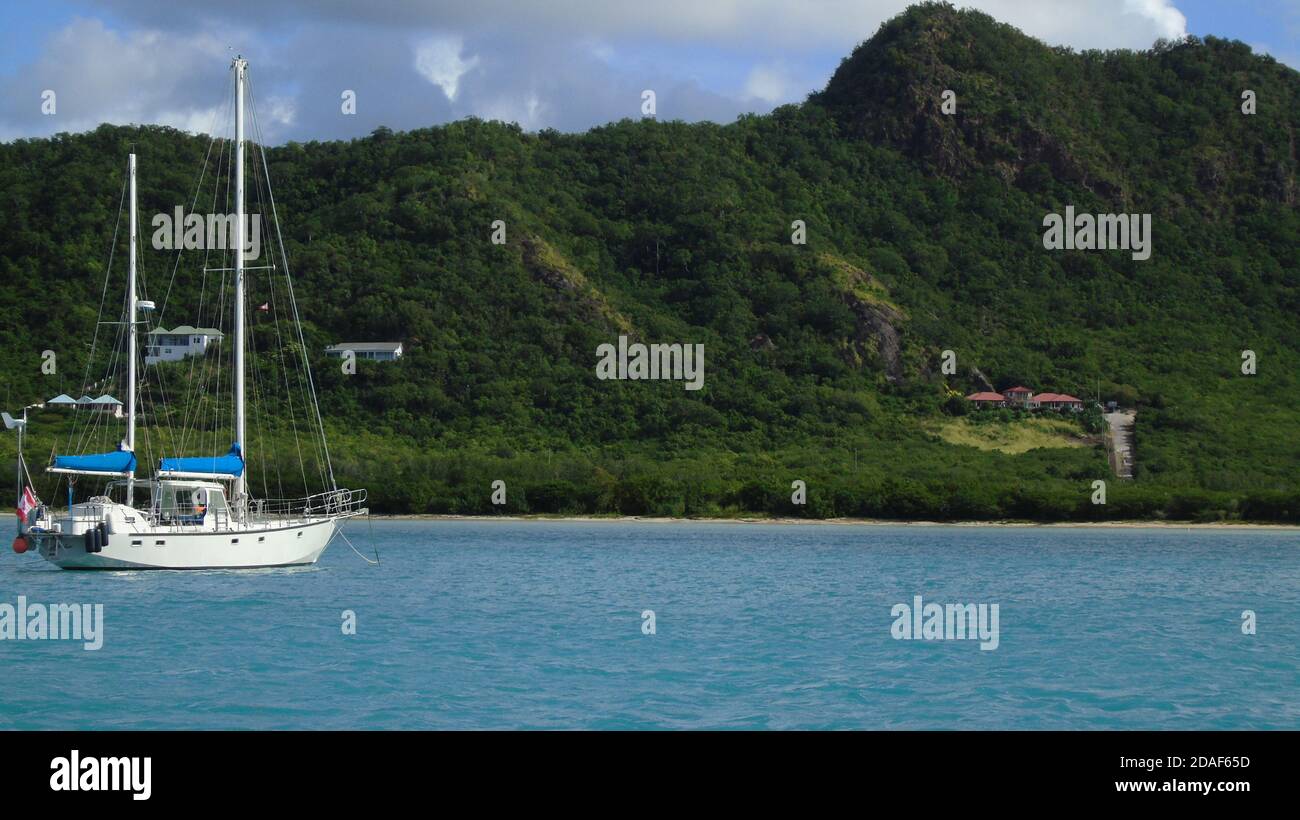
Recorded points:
(241, 483)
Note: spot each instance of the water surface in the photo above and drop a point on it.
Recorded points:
(495, 624)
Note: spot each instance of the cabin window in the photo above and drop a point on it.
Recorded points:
(217, 504)
(188, 504)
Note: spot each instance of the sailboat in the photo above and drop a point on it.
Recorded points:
(199, 512)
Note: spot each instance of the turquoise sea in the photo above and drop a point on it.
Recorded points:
(539, 624)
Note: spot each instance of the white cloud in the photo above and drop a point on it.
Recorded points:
(528, 111)
(760, 25)
(439, 61)
(1162, 14)
(100, 75)
(194, 120)
(768, 83)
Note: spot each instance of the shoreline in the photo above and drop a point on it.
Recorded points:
(836, 522)
(843, 522)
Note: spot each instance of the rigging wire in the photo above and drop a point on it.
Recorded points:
(166, 431)
(261, 176)
(103, 298)
(320, 422)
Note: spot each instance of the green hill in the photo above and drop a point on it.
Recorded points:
(924, 234)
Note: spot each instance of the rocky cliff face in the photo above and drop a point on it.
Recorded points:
(892, 89)
(1033, 113)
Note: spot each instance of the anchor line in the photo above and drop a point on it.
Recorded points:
(340, 534)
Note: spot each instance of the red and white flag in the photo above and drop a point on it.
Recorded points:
(26, 504)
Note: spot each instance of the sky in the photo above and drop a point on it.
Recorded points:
(563, 64)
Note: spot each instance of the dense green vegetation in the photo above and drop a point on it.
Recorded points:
(924, 234)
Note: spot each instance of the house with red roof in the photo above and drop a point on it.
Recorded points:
(1059, 401)
(987, 399)
(1018, 396)
(1023, 397)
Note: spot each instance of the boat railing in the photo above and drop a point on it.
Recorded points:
(330, 504)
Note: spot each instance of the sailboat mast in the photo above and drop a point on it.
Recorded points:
(240, 483)
(130, 336)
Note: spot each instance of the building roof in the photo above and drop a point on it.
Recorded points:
(186, 330)
(62, 398)
(986, 396)
(1018, 390)
(365, 347)
(1057, 397)
(106, 399)
(85, 400)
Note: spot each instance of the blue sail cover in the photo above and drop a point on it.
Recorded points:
(232, 463)
(121, 461)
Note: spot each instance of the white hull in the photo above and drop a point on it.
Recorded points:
(274, 545)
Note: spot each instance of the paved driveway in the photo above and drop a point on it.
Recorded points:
(1121, 441)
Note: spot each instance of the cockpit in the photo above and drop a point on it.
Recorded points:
(190, 503)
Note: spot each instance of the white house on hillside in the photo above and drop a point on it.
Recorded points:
(375, 351)
(173, 345)
(104, 404)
